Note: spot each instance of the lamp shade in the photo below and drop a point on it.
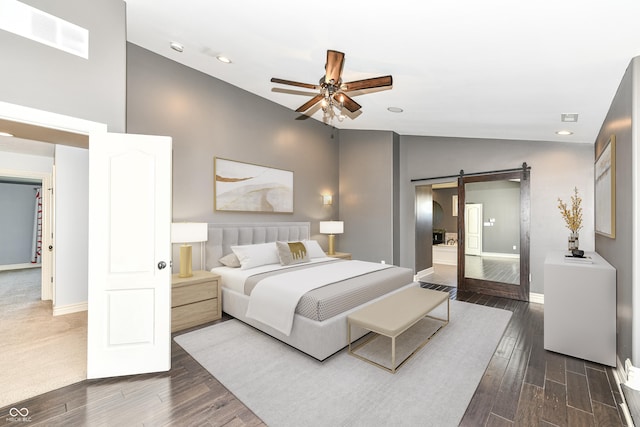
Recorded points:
(188, 232)
(331, 227)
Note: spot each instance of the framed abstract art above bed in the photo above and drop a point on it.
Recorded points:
(245, 187)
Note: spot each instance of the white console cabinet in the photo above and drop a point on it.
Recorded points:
(580, 307)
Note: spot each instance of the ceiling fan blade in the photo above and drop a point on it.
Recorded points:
(348, 102)
(310, 103)
(333, 68)
(368, 83)
(292, 83)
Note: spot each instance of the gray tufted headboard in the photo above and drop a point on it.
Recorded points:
(223, 236)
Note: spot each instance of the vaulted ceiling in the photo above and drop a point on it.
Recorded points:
(493, 69)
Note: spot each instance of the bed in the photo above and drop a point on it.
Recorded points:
(318, 327)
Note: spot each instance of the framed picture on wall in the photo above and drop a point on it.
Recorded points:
(245, 187)
(605, 190)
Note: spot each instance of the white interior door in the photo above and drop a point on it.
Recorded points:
(473, 229)
(47, 239)
(129, 292)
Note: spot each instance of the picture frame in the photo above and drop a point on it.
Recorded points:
(605, 190)
(247, 187)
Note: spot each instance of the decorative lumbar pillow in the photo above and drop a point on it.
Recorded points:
(292, 253)
(313, 249)
(256, 255)
(230, 260)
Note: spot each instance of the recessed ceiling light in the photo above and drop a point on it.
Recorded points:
(5, 134)
(564, 132)
(395, 109)
(176, 46)
(224, 59)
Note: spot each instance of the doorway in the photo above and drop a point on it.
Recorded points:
(45, 337)
(45, 226)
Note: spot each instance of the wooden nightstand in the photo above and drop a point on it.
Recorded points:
(341, 255)
(195, 300)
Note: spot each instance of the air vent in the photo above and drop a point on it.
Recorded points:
(34, 24)
(569, 117)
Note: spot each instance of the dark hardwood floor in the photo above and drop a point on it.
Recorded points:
(524, 385)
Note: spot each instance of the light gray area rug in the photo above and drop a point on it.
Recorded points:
(287, 388)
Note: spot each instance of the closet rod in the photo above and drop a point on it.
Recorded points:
(524, 167)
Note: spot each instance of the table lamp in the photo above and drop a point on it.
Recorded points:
(332, 228)
(187, 232)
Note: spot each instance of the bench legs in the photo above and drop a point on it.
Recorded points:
(374, 335)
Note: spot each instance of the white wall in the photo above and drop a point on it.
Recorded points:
(71, 235)
(25, 163)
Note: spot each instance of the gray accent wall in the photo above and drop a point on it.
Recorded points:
(555, 170)
(209, 118)
(444, 197)
(42, 77)
(424, 228)
(367, 200)
(16, 222)
(501, 208)
(622, 121)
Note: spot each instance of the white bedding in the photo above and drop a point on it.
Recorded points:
(234, 278)
(274, 299)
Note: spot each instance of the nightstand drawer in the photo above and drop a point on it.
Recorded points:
(194, 314)
(187, 294)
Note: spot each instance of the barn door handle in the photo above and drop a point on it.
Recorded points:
(161, 265)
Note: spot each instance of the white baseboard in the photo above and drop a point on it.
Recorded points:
(19, 266)
(71, 308)
(620, 375)
(537, 298)
(420, 274)
(500, 255)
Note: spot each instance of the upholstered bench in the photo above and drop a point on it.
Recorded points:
(393, 315)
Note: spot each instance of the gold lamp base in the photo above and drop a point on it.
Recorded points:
(332, 244)
(185, 261)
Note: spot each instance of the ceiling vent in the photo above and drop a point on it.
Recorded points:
(569, 117)
(34, 24)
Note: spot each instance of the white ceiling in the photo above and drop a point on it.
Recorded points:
(492, 69)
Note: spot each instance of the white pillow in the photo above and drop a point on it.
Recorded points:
(313, 249)
(256, 255)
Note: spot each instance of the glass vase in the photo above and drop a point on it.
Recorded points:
(573, 241)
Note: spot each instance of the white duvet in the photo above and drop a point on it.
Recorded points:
(234, 278)
(274, 299)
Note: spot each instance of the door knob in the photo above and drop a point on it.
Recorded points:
(161, 265)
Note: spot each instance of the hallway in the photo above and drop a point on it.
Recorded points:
(40, 352)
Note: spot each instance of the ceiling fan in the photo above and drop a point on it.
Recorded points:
(333, 92)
